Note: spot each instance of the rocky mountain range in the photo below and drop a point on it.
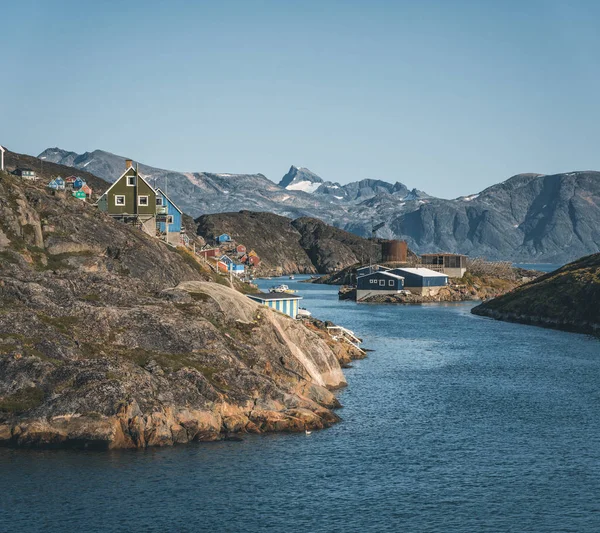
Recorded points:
(527, 218)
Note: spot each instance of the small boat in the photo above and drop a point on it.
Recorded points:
(292, 276)
(304, 313)
(307, 432)
(282, 289)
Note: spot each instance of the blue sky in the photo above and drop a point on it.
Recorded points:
(449, 97)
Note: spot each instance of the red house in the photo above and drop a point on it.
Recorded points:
(240, 249)
(211, 252)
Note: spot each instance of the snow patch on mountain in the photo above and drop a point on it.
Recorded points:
(305, 186)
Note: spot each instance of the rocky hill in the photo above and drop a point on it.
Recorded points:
(304, 245)
(527, 218)
(568, 298)
(47, 170)
(109, 338)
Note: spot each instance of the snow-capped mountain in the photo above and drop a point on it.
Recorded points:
(527, 218)
(300, 179)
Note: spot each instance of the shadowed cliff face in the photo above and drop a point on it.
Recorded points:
(304, 245)
(109, 338)
(568, 298)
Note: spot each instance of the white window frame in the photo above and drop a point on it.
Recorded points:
(159, 201)
(391, 283)
(169, 219)
(130, 178)
(382, 283)
(117, 196)
(140, 204)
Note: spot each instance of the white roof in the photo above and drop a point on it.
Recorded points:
(423, 272)
(385, 273)
(374, 268)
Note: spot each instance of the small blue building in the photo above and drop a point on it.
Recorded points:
(58, 184)
(422, 281)
(78, 183)
(224, 237)
(284, 303)
(237, 268)
(168, 218)
(226, 259)
(377, 283)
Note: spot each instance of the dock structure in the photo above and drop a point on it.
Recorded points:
(282, 302)
(346, 335)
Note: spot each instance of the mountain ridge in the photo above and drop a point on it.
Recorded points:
(527, 218)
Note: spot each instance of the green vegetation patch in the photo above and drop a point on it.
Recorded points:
(62, 323)
(190, 260)
(23, 400)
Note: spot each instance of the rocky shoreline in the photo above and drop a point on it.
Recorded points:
(111, 339)
(566, 299)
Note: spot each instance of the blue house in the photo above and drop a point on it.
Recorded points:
(378, 283)
(284, 303)
(237, 268)
(58, 184)
(226, 259)
(168, 218)
(224, 237)
(421, 281)
(78, 183)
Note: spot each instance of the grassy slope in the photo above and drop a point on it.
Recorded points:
(568, 298)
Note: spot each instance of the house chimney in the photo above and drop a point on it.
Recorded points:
(128, 163)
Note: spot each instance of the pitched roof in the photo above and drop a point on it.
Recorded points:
(373, 268)
(121, 177)
(384, 273)
(423, 272)
(159, 190)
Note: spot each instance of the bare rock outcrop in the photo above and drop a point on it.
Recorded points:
(111, 339)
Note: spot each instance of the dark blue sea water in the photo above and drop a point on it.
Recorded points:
(454, 423)
(542, 267)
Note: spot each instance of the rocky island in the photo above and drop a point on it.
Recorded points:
(568, 298)
(110, 338)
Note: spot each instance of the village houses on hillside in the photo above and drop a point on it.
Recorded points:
(132, 200)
